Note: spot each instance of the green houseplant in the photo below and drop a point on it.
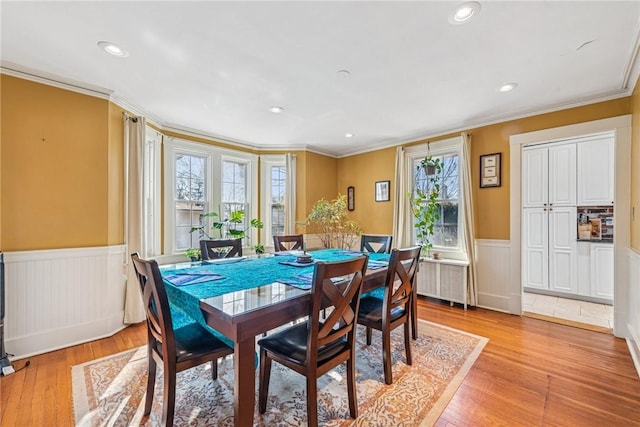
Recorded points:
(230, 228)
(424, 201)
(193, 254)
(330, 221)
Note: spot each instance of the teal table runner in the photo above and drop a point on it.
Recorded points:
(244, 274)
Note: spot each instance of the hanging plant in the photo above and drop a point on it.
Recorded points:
(425, 201)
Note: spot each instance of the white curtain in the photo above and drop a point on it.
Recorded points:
(290, 191)
(134, 136)
(401, 239)
(469, 229)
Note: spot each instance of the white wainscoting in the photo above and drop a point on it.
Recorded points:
(62, 297)
(493, 274)
(633, 315)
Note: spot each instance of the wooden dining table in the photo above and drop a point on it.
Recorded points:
(262, 305)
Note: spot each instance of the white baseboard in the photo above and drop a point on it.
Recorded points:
(47, 341)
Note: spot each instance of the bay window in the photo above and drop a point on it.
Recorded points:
(201, 178)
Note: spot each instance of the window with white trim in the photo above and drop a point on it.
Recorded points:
(151, 192)
(201, 178)
(190, 201)
(273, 180)
(447, 236)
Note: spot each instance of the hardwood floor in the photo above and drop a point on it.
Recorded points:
(531, 372)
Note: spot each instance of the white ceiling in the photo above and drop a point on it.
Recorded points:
(216, 67)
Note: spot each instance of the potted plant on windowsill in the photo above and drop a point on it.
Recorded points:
(425, 202)
(193, 254)
(230, 228)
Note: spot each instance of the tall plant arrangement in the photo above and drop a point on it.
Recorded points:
(424, 202)
(330, 221)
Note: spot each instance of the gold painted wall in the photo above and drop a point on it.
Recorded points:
(320, 181)
(55, 169)
(491, 205)
(362, 171)
(635, 168)
(67, 191)
(115, 188)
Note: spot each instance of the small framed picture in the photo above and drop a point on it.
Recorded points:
(490, 170)
(382, 191)
(351, 198)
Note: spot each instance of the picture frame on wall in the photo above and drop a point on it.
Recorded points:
(351, 198)
(382, 191)
(490, 165)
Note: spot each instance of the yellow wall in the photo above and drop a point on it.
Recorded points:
(491, 205)
(67, 191)
(319, 181)
(635, 168)
(362, 172)
(55, 169)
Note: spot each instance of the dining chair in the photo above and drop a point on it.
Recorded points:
(378, 244)
(314, 347)
(177, 350)
(288, 243)
(220, 248)
(395, 307)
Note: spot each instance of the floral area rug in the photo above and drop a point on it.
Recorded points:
(111, 391)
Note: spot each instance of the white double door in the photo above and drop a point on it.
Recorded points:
(549, 218)
(549, 260)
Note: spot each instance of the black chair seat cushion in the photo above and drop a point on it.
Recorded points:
(193, 341)
(371, 310)
(291, 343)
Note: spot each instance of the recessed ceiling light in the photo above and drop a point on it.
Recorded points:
(508, 87)
(275, 109)
(348, 135)
(464, 12)
(113, 49)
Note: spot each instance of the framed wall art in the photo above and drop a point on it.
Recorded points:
(351, 198)
(382, 191)
(490, 170)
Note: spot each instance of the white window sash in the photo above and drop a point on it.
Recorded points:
(266, 163)
(437, 148)
(213, 183)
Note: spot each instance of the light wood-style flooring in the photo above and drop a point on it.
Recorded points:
(531, 373)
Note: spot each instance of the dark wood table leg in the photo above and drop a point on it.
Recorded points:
(414, 314)
(245, 382)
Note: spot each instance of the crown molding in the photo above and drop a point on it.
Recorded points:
(14, 70)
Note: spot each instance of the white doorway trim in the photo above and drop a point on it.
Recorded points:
(621, 126)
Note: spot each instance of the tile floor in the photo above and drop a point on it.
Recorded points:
(574, 310)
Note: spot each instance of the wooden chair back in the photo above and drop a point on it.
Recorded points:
(220, 248)
(340, 299)
(156, 305)
(377, 244)
(288, 243)
(400, 280)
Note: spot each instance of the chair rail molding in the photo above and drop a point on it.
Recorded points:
(62, 297)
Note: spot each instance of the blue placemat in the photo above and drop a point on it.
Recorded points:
(349, 252)
(374, 265)
(184, 279)
(300, 281)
